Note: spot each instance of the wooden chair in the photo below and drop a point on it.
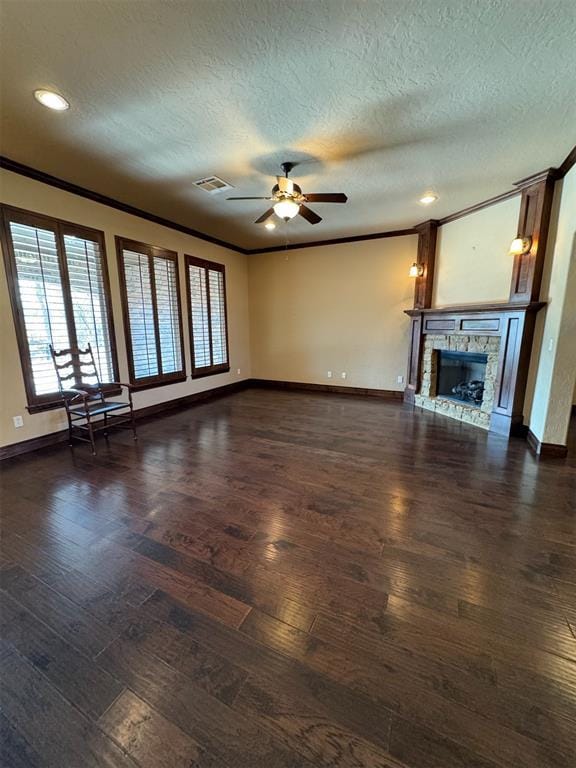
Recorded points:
(87, 408)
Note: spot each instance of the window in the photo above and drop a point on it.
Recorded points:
(152, 316)
(206, 289)
(60, 295)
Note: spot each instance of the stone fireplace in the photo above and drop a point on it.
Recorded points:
(501, 332)
(459, 377)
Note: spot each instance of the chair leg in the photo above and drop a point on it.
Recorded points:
(106, 426)
(91, 433)
(70, 438)
(133, 419)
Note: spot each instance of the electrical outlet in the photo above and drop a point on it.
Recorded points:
(238, 371)
(18, 421)
(329, 374)
(400, 379)
(343, 374)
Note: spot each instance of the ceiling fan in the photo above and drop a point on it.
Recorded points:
(289, 199)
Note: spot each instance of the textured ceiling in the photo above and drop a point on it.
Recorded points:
(381, 100)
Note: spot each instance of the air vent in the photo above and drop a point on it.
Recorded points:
(212, 184)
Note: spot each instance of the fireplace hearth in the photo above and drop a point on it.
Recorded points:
(461, 376)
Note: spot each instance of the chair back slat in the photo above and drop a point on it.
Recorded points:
(83, 366)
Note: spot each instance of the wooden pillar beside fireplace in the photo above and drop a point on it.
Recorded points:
(515, 319)
(426, 259)
(533, 222)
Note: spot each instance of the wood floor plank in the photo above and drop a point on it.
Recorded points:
(213, 673)
(232, 738)
(49, 724)
(15, 751)
(296, 722)
(76, 676)
(67, 619)
(149, 738)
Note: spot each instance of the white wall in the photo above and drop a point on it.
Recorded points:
(26, 193)
(333, 308)
(553, 370)
(472, 261)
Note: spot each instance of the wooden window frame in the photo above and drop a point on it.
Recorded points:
(152, 251)
(213, 370)
(60, 227)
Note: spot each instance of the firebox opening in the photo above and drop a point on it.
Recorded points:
(461, 376)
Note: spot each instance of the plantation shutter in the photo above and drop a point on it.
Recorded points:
(152, 307)
(206, 285)
(168, 315)
(199, 316)
(88, 294)
(141, 315)
(39, 285)
(217, 317)
(58, 285)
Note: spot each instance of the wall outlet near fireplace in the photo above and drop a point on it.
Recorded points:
(18, 421)
(400, 379)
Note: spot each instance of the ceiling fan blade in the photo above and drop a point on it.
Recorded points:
(309, 215)
(265, 215)
(285, 185)
(327, 197)
(248, 198)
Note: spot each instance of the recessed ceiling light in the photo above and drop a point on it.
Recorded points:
(51, 99)
(270, 225)
(428, 198)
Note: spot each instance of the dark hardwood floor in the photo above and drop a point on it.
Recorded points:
(290, 580)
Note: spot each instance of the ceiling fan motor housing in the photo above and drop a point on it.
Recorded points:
(277, 194)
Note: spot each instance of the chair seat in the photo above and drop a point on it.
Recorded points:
(99, 407)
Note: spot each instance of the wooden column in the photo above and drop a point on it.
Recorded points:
(516, 349)
(533, 222)
(427, 232)
(426, 259)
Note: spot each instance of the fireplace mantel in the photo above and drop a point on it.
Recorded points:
(465, 309)
(513, 322)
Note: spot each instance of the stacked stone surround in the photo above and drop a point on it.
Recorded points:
(427, 398)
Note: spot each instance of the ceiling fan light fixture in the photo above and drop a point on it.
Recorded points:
(286, 209)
